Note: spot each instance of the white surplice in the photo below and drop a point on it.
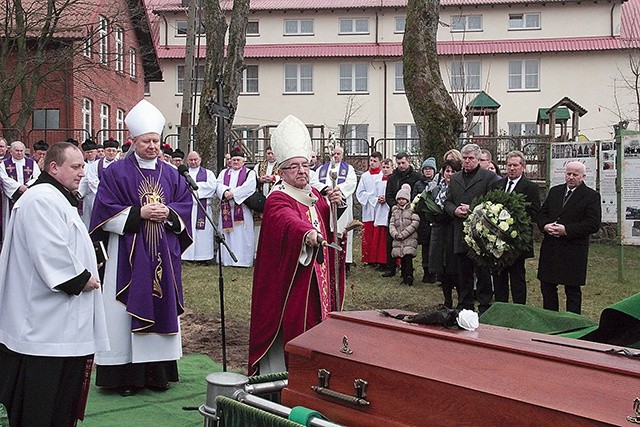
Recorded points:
(202, 247)
(10, 186)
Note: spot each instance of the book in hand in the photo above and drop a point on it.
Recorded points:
(101, 252)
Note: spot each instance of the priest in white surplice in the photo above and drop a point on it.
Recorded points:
(235, 184)
(17, 172)
(202, 247)
(93, 174)
(347, 181)
(52, 316)
(267, 174)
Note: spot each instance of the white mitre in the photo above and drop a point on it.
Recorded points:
(291, 139)
(143, 118)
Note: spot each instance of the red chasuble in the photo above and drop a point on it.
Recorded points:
(286, 294)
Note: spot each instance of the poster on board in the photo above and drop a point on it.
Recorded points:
(565, 152)
(631, 190)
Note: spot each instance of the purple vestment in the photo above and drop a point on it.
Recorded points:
(149, 278)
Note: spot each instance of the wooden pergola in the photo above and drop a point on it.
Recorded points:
(559, 114)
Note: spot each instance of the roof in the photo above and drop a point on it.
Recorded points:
(483, 101)
(571, 104)
(258, 5)
(562, 114)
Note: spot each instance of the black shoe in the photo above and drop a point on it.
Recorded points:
(381, 267)
(404, 281)
(126, 391)
(388, 273)
(409, 281)
(163, 387)
(429, 278)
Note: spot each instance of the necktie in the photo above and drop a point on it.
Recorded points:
(509, 186)
(566, 197)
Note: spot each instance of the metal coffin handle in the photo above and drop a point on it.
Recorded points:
(359, 385)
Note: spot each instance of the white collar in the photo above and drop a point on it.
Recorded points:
(146, 164)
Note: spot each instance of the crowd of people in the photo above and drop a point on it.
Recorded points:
(121, 220)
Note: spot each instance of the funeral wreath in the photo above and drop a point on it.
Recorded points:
(498, 229)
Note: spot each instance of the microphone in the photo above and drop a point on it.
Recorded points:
(184, 171)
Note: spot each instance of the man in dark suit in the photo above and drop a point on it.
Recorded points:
(403, 174)
(471, 182)
(569, 215)
(516, 182)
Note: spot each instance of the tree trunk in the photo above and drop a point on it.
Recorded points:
(186, 116)
(437, 119)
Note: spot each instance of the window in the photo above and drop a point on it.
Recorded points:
(183, 26)
(87, 115)
(198, 78)
(407, 139)
(119, 42)
(120, 125)
(399, 77)
(103, 33)
(86, 46)
(357, 136)
(354, 26)
(522, 128)
(354, 77)
(524, 75)
(104, 122)
(465, 76)
(298, 78)
(460, 23)
(253, 28)
(524, 21)
(132, 63)
(250, 79)
(46, 119)
(401, 22)
(298, 27)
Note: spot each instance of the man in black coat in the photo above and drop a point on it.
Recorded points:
(471, 182)
(516, 182)
(403, 174)
(569, 215)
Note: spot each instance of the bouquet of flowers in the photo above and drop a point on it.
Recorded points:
(498, 229)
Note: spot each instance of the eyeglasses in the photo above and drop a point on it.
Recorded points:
(296, 167)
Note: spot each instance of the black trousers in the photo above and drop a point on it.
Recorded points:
(391, 261)
(550, 297)
(514, 276)
(484, 288)
(406, 266)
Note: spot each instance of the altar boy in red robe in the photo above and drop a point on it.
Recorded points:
(294, 286)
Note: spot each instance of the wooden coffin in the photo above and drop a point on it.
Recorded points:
(418, 375)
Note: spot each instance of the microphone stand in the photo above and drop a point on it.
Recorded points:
(220, 240)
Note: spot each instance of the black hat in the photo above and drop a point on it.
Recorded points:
(237, 152)
(177, 153)
(40, 145)
(99, 146)
(72, 141)
(111, 143)
(88, 145)
(126, 146)
(166, 149)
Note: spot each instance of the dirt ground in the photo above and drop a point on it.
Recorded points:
(201, 333)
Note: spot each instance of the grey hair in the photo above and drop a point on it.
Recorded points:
(471, 148)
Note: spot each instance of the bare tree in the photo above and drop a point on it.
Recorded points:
(229, 68)
(40, 43)
(187, 90)
(437, 118)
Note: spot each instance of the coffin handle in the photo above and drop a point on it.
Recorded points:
(359, 385)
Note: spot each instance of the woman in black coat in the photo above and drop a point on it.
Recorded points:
(426, 182)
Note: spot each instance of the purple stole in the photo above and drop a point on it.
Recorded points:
(200, 216)
(225, 207)
(100, 167)
(343, 170)
(12, 171)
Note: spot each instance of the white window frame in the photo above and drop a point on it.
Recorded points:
(400, 24)
(466, 23)
(353, 77)
(398, 86)
(87, 45)
(103, 33)
(104, 121)
(87, 115)
(348, 26)
(524, 75)
(198, 78)
(466, 76)
(250, 83)
(288, 29)
(525, 21)
(133, 57)
(360, 133)
(119, 48)
(298, 78)
(254, 34)
(120, 125)
(403, 132)
(182, 27)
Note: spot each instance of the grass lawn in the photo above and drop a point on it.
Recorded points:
(367, 290)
